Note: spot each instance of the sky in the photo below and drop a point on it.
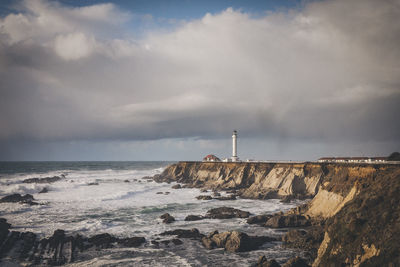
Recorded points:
(171, 80)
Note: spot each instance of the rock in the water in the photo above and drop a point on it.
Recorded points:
(309, 239)
(45, 180)
(167, 218)
(234, 241)
(28, 199)
(132, 241)
(185, 233)
(44, 190)
(263, 262)
(226, 213)
(204, 197)
(258, 219)
(94, 183)
(229, 197)
(126, 181)
(159, 193)
(193, 218)
(287, 199)
(177, 186)
(103, 240)
(296, 262)
(177, 241)
(203, 190)
(291, 220)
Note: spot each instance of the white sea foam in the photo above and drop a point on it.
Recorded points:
(121, 208)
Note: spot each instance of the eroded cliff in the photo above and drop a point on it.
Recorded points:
(358, 204)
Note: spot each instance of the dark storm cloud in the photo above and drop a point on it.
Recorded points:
(327, 72)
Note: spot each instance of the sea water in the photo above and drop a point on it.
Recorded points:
(117, 198)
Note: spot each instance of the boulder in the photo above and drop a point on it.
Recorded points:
(296, 262)
(103, 240)
(44, 190)
(290, 220)
(167, 218)
(204, 197)
(45, 180)
(259, 219)
(132, 241)
(234, 241)
(185, 233)
(177, 186)
(226, 213)
(263, 262)
(28, 199)
(229, 197)
(193, 218)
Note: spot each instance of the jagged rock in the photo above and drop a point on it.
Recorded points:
(44, 190)
(296, 262)
(185, 233)
(263, 262)
(176, 186)
(103, 240)
(177, 242)
(193, 218)
(45, 180)
(234, 241)
(309, 239)
(132, 241)
(204, 197)
(167, 218)
(287, 199)
(290, 220)
(229, 197)
(226, 213)
(259, 219)
(28, 199)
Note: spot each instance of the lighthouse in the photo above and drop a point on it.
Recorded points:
(234, 146)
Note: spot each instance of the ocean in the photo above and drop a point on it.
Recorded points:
(116, 198)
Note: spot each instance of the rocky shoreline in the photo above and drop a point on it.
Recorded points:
(350, 220)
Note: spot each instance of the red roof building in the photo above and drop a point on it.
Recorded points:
(211, 158)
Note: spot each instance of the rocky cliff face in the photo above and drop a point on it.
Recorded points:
(358, 204)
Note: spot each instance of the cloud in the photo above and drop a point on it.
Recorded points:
(326, 72)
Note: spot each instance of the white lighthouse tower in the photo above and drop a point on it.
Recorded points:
(234, 146)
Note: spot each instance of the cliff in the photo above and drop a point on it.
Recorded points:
(358, 204)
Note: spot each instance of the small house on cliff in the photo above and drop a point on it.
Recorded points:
(211, 158)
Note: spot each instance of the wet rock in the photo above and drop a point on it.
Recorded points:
(203, 190)
(94, 183)
(28, 199)
(159, 193)
(45, 180)
(216, 194)
(167, 218)
(176, 186)
(185, 233)
(263, 262)
(204, 197)
(229, 197)
(44, 190)
(103, 240)
(132, 241)
(166, 193)
(287, 199)
(126, 181)
(193, 218)
(296, 262)
(309, 239)
(4, 229)
(177, 241)
(291, 220)
(234, 241)
(258, 219)
(226, 213)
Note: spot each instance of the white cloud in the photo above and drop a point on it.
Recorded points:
(284, 75)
